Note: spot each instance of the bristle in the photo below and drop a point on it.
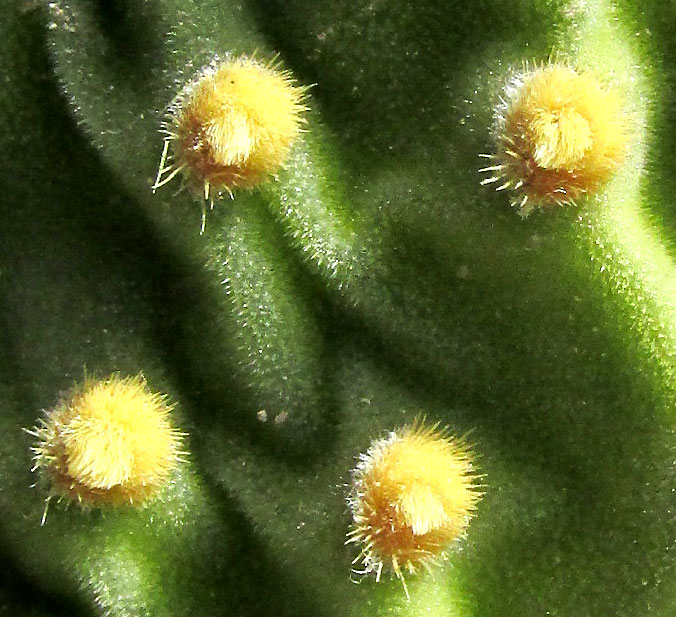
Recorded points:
(559, 135)
(412, 496)
(232, 127)
(109, 441)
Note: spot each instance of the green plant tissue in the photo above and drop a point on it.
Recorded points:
(371, 281)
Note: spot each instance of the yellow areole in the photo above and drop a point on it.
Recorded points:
(560, 135)
(232, 127)
(109, 442)
(413, 494)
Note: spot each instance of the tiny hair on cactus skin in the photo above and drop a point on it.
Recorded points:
(413, 494)
(559, 135)
(107, 441)
(231, 127)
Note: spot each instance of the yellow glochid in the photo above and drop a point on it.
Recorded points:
(232, 126)
(108, 442)
(413, 494)
(559, 134)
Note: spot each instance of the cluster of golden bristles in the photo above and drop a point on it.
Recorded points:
(560, 134)
(108, 442)
(232, 127)
(412, 496)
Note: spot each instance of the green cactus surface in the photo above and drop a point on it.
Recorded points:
(372, 281)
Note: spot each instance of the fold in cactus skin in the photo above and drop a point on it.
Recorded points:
(373, 281)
